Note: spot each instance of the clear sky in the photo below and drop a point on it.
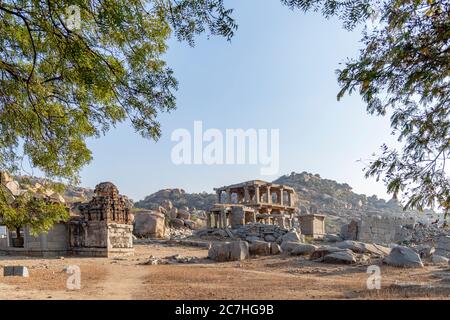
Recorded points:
(278, 72)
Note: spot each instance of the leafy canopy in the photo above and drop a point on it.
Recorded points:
(38, 214)
(403, 70)
(64, 79)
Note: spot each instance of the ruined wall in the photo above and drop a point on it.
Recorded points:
(384, 229)
(55, 240)
(120, 236)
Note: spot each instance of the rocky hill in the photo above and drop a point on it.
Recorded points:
(179, 199)
(315, 194)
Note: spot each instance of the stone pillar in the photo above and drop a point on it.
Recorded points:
(281, 200)
(219, 196)
(290, 198)
(246, 195)
(208, 220)
(269, 195)
(224, 219)
(220, 219)
(257, 195)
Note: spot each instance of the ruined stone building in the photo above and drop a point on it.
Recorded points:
(101, 227)
(253, 201)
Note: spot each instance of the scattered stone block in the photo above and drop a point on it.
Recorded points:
(19, 271)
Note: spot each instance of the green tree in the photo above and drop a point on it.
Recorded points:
(39, 214)
(64, 79)
(403, 70)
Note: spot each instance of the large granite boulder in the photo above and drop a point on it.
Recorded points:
(346, 256)
(290, 236)
(321, 252)
(228, 251)
(403, 257)
(361, 247)
(149, 224)
(259, 248)
(303, 249)
(288, 246)
(439, 260)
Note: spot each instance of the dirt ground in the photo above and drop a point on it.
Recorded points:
(275, 277)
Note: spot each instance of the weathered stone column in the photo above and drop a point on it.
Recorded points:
(290, 198)
(269, 195)
(257, 195)
(208, 220)
(220, 220)
(281, 200)
(246, 195)
(219, 196)
(224, 219)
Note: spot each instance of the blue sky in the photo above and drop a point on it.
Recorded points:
(278, 72)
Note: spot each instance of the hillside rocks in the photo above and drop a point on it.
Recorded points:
(403, 257)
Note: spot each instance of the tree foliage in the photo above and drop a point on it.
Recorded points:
(61, 83)
(39, 214)
(403, 70)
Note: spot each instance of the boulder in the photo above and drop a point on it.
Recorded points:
(228, 251)
(275, 248)
(239, 251)
(439, 260)
(270, 238)
(425, 251)
(361, 247)
(288, 246)
(346, 256)
(149, 224)
(321, 252)
(167, 204)
(403, 257)
(172, 213)
(183, 214)
(303, 249)
(190, 224)
(219, 252)
(332, 238)
(252, 239)
(290, 236)
(177, 223)
(162, 210)
(259, 248)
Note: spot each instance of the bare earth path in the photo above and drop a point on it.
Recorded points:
(275, 277)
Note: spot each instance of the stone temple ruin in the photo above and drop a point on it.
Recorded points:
(101, 227)
(104, 225)
(253, 201)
